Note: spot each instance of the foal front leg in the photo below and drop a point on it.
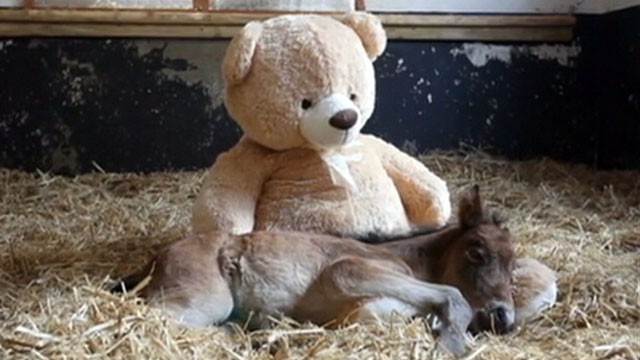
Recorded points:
(355, 278)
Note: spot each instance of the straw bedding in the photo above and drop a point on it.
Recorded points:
(64, 240)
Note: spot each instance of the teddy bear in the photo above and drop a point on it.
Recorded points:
(301, 88)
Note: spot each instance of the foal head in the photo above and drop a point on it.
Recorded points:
(479, 261)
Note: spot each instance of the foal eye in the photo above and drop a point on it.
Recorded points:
(353, 97)
(476, 255)
(306, 103)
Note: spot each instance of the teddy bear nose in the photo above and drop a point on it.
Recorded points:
(344, 119)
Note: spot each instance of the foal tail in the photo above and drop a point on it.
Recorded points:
(133, 281)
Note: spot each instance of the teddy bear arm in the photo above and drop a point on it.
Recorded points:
(228, 198)
(535, 288)
(425, 196)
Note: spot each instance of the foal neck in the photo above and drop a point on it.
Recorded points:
(426, 253)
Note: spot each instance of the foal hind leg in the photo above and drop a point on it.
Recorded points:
(385, 309)
(354, 278)
(188, 283)
(195, 305)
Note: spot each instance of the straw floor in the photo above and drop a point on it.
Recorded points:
(64, 240)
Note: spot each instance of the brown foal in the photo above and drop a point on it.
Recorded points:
(462, 274)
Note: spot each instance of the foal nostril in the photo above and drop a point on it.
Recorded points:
(500, 315)
(497, 319)
(501, 320)
(344, 119)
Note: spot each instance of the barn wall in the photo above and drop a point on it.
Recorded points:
(150, 105)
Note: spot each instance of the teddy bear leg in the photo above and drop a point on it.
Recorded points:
(535, 289)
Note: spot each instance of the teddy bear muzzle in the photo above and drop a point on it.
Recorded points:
(331, 122)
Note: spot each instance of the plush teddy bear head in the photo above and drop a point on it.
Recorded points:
(303, 80)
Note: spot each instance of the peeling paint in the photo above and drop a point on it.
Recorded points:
(562, 54)
(5, 43)
(480, 54)
(410, 147)
(489, 120)
(400, 67)
(74, 83)
(105, 101)
(64, 156)
(202, 66)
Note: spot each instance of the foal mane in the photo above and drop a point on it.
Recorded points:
(491, 217)
(378, 238)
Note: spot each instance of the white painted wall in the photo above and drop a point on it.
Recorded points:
(11, 3)
(275, 5)
(401, 6)
(165, 4)
(286, 5)
(501, 6)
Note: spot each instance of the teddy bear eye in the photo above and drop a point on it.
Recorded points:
(353, 97)
(306, 104)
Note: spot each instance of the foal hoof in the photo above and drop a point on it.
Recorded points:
(453, 342)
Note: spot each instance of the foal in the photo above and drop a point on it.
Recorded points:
(215, 277)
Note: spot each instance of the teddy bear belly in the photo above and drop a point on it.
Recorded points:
(330, 208)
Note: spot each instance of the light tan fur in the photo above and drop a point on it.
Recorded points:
(296, 191)
(279, 178)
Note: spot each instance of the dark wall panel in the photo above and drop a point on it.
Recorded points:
(149, 105)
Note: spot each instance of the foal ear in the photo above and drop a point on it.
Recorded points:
(470, 211)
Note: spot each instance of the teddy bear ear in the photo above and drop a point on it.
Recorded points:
(239, 55)
(369, 29)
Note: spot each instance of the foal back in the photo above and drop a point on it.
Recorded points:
(204, 279)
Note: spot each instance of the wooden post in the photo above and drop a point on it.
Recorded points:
(29, 4)
(201, 5)
(361, 5)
